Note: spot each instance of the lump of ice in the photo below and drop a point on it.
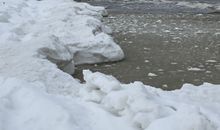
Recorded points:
(194, 4)
(100, 81)
(151, 75)
(194, 69)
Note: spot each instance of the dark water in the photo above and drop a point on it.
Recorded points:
(164, 48)
(140, 8)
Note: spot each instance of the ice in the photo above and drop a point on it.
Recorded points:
(194, 69)
(211, 61)
(100, 81)
(153, 109)
(151, 75)
(181, 121)
(41, 41)
(195, 5)
(64, 32)
(24, 107)
(212, 8)
(146, 61)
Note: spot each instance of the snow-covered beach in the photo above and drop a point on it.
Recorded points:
(42, 41)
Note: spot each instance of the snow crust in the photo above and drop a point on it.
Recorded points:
(38, 38)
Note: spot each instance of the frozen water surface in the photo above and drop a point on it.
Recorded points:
(177, 44)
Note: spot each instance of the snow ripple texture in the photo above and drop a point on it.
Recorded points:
(38, 38)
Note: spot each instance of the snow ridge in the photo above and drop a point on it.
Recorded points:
(64, 32)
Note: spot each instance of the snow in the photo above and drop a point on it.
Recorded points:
(63, 32)
(24, 107)
(154, 109)
(42, 41)
(98, 81)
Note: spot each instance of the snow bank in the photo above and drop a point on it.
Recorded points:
(39, 37)
(132, 106)
(25, 107)
(62, 31)
(191, 108)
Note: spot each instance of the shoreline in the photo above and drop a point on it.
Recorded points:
(36, 94)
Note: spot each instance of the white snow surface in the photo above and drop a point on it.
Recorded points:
(148, 108)
(26, 107)
(37, 37)
(63, 31)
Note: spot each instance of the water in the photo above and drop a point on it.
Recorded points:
(164, 47)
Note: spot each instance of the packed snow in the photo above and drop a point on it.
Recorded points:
(26, 107)
(191, 108)
(36, 34)
(42, 41)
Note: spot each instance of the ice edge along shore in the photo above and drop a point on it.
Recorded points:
(36, 36)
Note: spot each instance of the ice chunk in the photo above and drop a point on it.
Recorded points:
(100, 81)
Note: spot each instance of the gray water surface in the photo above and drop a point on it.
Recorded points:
(164, 49)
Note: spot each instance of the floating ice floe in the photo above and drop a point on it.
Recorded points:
(194, 69)
(151, 75)
(211, 61)
(211, 8)
(194, 5)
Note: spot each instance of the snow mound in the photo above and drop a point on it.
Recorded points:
(40, 37)
(153, 109)
(101, 81)
(23, 107)
(62, 31)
